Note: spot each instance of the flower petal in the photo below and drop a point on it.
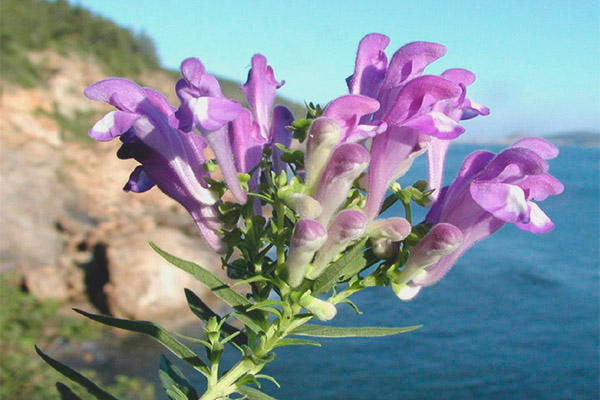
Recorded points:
(370, 67)
(436, 156)
(459, 76)
(346, 163)
(539, 222)
(307, 238)
(506, 202)
(410, 61)
(323, 135)
(118, 92)
(348, 111)
(347, 226)
(406, 64)
(192, 70)
(139, 181)
(219, 143)
(436, 124)
(539, 187)
(394, 229)
(513, 164)
(212, 113)
(282, 118)
(208, 224)
(389, 152)
(541, 147)
(113, 124)
(246, 141)
(418, 95)
(259, 90)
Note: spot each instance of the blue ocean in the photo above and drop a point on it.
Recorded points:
(516, 318)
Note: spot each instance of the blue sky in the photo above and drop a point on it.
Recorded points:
(537, 62)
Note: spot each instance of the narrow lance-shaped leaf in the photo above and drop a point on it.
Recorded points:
(253, 394)
(203, 312)
(218, 287)
(336, 332)
(296, 342)
(157, 332)
(353, 260)
(65, 392)
(76, 377)
(173, 380)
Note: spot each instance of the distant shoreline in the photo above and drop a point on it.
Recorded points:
(583, 139)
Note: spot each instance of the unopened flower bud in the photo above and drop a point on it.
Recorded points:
(394, 229)
(305, 206)
(442, 239)
(321, 309)
(308, 237)
(324, 134)
(347, 226)
(345, 164)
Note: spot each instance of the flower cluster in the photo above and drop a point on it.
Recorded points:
(392, 114)
(298, 225)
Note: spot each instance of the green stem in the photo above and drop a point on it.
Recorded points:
(280, 210)
(407, 210)
(228, 383)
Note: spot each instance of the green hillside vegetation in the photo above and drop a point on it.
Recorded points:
(35, 25)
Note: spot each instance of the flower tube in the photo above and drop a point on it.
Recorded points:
(345, 164)
(308, 237)
(491, 190)
(170, 158)
(347, 226)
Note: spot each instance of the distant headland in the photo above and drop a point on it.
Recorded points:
(574, 138)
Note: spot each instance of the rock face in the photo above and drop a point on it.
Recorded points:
(65, 223)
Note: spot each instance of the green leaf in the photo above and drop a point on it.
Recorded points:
(266, 303)
(255, 278)
(300, 129)
(296, 342)
(353, 260)
(65, 392)
(268, 378)
(218, 287)
(76, 377)
(335, 332)
(352, 305)
(203, 312)
(157, 332)
(175, 382)
(253, 394)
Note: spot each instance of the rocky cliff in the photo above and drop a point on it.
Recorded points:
(65, 223)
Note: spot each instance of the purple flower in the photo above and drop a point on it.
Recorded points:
(491, 190)
(348, 111)
(204, 107)
(170, 158)
(415, 109)
(458, 109)
(442, 239)
(347, 226)
(385, 235)
(308, 237)
(270, 123)
(346, 163)
(323, 135)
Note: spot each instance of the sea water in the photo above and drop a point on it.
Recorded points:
(516, 318)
